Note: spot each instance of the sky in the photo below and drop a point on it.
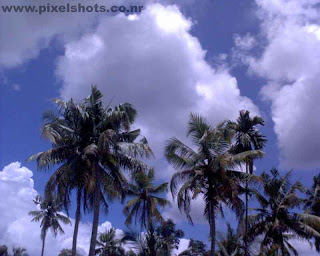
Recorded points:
(213, 57)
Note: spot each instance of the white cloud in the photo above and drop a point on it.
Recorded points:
(160, 68)
(290, 62)
(24, 34)
(196, 213)
(156, 65)
(16, 228)
(183, 245)
(244, 42)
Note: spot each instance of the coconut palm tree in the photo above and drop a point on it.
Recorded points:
(154, 242)
(49, 216)
(247, 137)
(312, 203)
(65, 131)
(108, 245)
(146, 200)
(207, 171)
(276, 220)
(142, 243)
(92, 144)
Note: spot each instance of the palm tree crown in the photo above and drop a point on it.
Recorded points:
(146, 199)
(247, 135)
(18, 251)
(276, 221)
(207, 171)
(230, 244)
(108, 245)
(312, 203)
(49, 216)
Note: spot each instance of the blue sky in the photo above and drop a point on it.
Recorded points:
(262, 53)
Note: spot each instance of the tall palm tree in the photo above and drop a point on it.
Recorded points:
(108, 245)
(312, 203)
(208, 171)
(276, 220)
(247, 137)
(146, 200)
(92, 144)
(49, 216)
(65, 131)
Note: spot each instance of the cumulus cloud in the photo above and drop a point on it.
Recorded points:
(16, 228)
(245, 42)
(152, 61)
(24, 34)
(290, 62)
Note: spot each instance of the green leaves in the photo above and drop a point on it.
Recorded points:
(108, 244)
(277, 217)
(146, 200)
(49, 215)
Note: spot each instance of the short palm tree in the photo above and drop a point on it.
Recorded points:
(195, 248)
(247, 137)
(108, 245)
(230, 244)
(92, 144)
(67, 252)
(146, 200)
(3, 250)
(18, 251)
(49, 216)
(169, 237)
(276, 221)
(142, 243)
(207, 171)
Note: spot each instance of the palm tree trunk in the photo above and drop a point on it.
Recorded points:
(43, 242)
(76, 225)
(246, 217)
(212, 222)
(151, 240)
(95, 213)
